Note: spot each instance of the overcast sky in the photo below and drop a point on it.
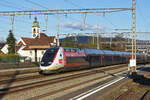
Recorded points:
(72, 23)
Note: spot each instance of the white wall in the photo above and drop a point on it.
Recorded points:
(31, 54)
(40, 54)
(26, 53)
(5, 49)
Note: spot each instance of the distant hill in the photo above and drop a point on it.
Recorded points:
(80, 39)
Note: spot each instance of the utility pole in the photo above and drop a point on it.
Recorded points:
(58, 25)
(133, 58)
(12, 23)
(111, 37)
(97, 38)
(84, 22)
(46, 22)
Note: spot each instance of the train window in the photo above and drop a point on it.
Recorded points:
(80, 51)
(73, 50)
(67, 50)
(52, 50)
(75, 59)
(64, 50)
(49, 55)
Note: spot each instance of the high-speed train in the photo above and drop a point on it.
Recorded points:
(66, 58)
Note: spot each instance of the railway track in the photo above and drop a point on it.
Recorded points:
(47, 82)
(24, 87)
(19, 79)
(124, 95)
(6, 79)
(63, 89)
(146, 95)
(52, 81)
(129, 93)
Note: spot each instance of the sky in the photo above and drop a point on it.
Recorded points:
(72, 23)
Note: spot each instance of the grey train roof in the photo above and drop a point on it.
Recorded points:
(96, 51)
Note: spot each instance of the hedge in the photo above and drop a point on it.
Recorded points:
(9, 58)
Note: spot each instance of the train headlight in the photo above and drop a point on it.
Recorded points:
(49, 62)
(42, 62)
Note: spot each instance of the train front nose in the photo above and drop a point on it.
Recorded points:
(45, 65)
(48, 58)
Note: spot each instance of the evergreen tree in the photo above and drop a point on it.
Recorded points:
(11, 41)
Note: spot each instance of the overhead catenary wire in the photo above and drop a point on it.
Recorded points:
(45, 15)
(6, 4)
(84, 17)
(62, 11)
(77, 5)
(37, 4)
(72, 3)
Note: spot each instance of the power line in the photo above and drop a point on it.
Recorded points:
(37, 4)
(82, 7)
(46, 15)
(8, 4)
(74, 4)
(18, 20)
(114, 25)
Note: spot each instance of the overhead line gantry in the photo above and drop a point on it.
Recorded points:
(63, 11)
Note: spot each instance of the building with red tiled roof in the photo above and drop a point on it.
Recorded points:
(35, 47)
(25, 41)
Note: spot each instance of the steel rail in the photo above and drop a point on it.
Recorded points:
(102, 69)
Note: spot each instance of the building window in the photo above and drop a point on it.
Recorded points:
(34, 31)
(42, 52)
(30, 52)
(38, 31)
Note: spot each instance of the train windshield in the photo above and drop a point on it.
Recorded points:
(49, 55)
